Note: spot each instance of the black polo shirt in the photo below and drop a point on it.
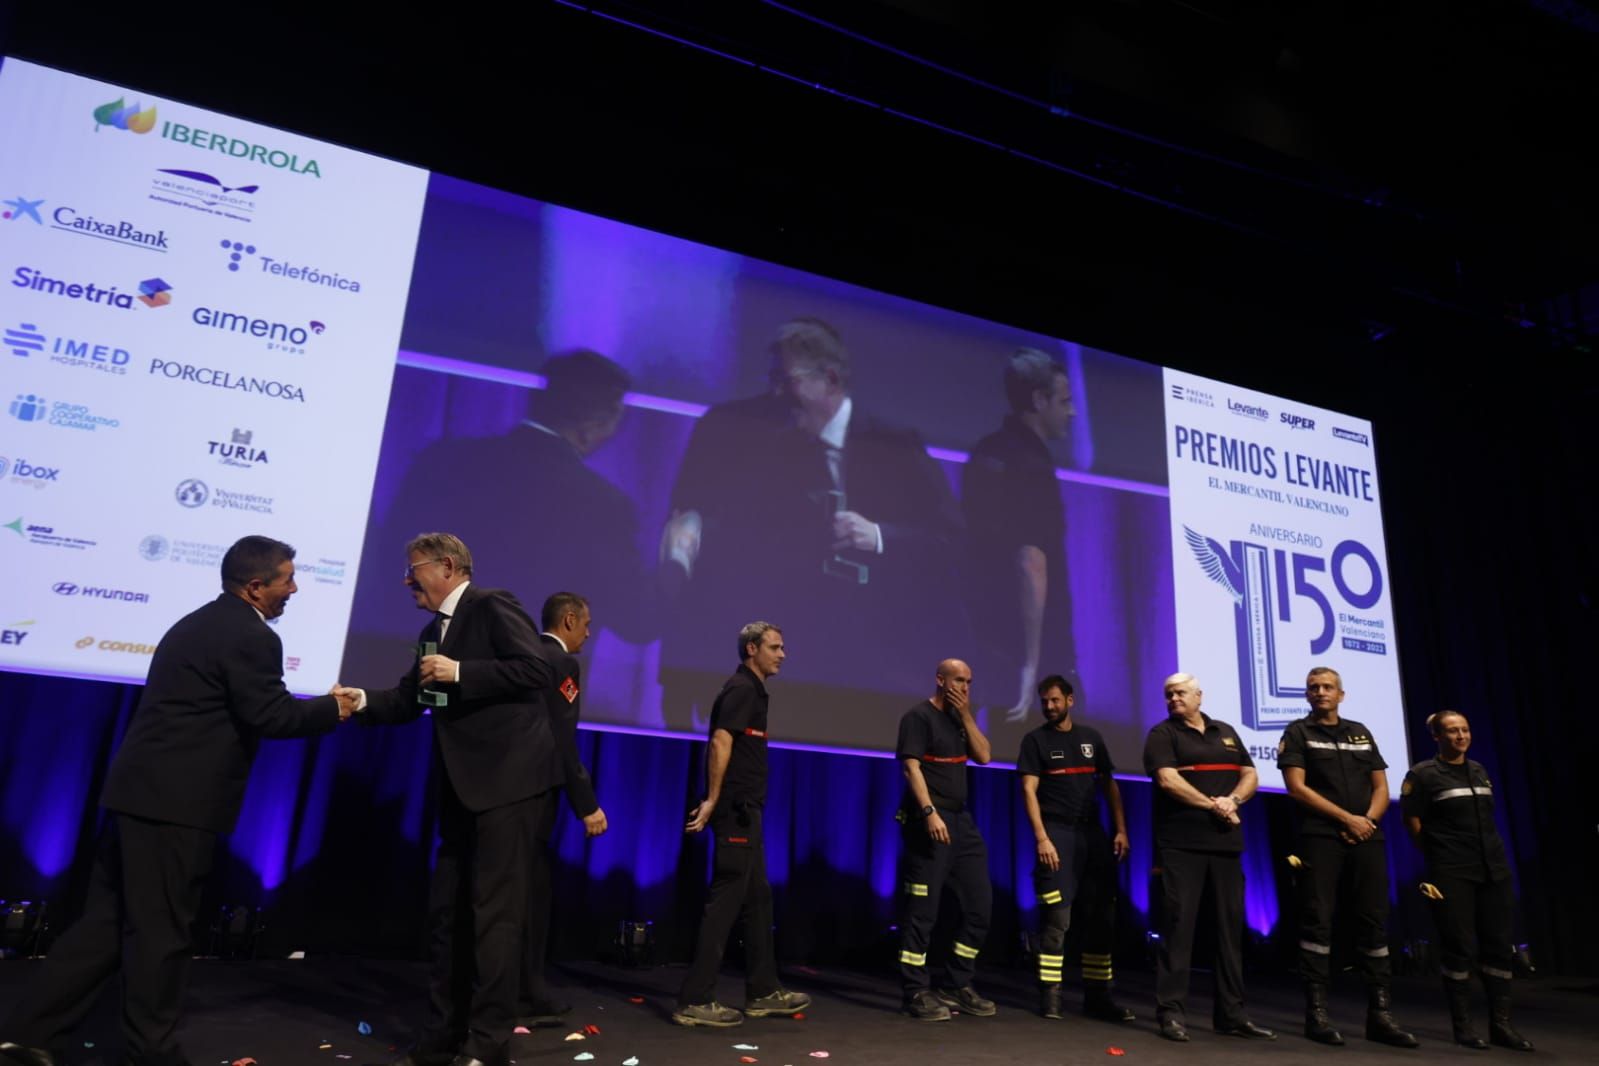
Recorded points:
(1456, 806)
(938, 741)
(740, 709)
(1338, 761)
(1210, 761)
(1067, 765)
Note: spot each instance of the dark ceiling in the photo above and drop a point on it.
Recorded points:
(1239, 188)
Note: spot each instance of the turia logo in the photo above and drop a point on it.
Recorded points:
(119, 116)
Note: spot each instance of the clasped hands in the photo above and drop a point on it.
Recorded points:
(1226, 809)
(349, 700)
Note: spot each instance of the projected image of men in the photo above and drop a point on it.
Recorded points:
(1017, 587)
(800, 503)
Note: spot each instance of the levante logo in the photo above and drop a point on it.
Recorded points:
(118, 115)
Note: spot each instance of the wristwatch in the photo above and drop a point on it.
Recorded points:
(927, 811)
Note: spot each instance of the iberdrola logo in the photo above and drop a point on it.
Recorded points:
(119, 116)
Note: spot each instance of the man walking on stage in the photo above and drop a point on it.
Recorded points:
(214, 692)
(1333, 770)
(735, 795)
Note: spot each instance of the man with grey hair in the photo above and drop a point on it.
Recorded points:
(735, 793)
(1017, 589)
(1203, 774)
(800, 502)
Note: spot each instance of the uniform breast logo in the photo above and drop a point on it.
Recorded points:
(569, 690)
(1227, 741)
(1057, 754)
(1087, 750)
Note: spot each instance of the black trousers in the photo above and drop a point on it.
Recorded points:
(926, 867)
(477, 906)
(1355, 875)
(1474, 924)
(1183, 876)
(144, 894)
(739, 891)
(535, 997)
(1081, 892)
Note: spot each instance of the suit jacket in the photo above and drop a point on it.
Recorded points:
(495, 735)
(565, 701)
(215, 690)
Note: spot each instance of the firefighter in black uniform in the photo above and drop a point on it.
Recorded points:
(936, 738)
(1203, 774)
(1448, 803)
(1061, 763)
(1334, 771)
(735, 793)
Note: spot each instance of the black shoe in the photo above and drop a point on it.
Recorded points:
(1505, 1036)
(711, 1014)
(1172, 1029)
(781, 1001)
(967, 1001)
(1247, 1029)
(543, 1014)
(925, 1007)
(1100, 1005)
(17, 1055)
(1318, 1026)
(1049, 1001)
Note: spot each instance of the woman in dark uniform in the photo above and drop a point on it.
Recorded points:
(1448, 803)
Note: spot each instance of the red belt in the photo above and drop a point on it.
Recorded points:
(1073, 770)
(1211, 766)
(943, 758)
(755, 732)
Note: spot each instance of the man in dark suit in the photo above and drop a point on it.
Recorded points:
(799, 503)
(565, 620)
(215, 690)
(485, 676)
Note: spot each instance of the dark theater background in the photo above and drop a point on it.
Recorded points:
(1378, 209)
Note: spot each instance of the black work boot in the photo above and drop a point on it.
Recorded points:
(1500, 1031)
(1049, 1001)
(1458, 995)
(1318, 1026)
(1380, 1024)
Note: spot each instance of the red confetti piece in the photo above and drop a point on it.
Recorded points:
(1113, 1050)
(748, 1058)
(522, 1030)
(246, 1061)
(798, 1016)
(635, 999)
(592, 1030)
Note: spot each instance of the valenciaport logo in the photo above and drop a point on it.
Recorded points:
(1189, 394)
(151, 292)
(239, 255)
(68, 218)
(47, 536)
(31, 407)
(27, 472)
(197, 190)
(1296, 421)
(289, 337)
(27, 339)
(91, 643)
(238, 450)
(226, 379)
(1248, 410)
(118, 115)
(1350, 434)
(99, 592)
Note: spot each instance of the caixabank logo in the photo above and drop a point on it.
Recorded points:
(77, 220)
(118, 114)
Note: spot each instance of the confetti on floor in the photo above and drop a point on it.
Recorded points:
(631, 1060)
(1113, 1050)
(583, 1056)
(576, 1036)
(819, 1054)
(746, 1047)
(635, 999)
(364, 1029)
(522, 1030)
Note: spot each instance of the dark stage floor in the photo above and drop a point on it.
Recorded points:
(280, 1012)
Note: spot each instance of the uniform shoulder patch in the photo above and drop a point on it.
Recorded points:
(569, 689)
(1406, 788)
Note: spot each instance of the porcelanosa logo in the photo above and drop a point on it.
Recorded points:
(196, 190)
(151, 292)
(241, 254)
(27, 340)
(226, 379)
(118, 115)
(279, 336)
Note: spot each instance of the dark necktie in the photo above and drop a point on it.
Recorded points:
(436, 630)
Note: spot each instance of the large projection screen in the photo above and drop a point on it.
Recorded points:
(1166, 523)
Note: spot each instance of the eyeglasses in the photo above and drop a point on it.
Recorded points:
(410, 570)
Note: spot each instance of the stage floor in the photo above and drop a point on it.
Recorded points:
(280, 1013)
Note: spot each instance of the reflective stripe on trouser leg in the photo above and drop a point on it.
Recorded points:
(1096, 967)
(1049, 968)
(923, 869)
